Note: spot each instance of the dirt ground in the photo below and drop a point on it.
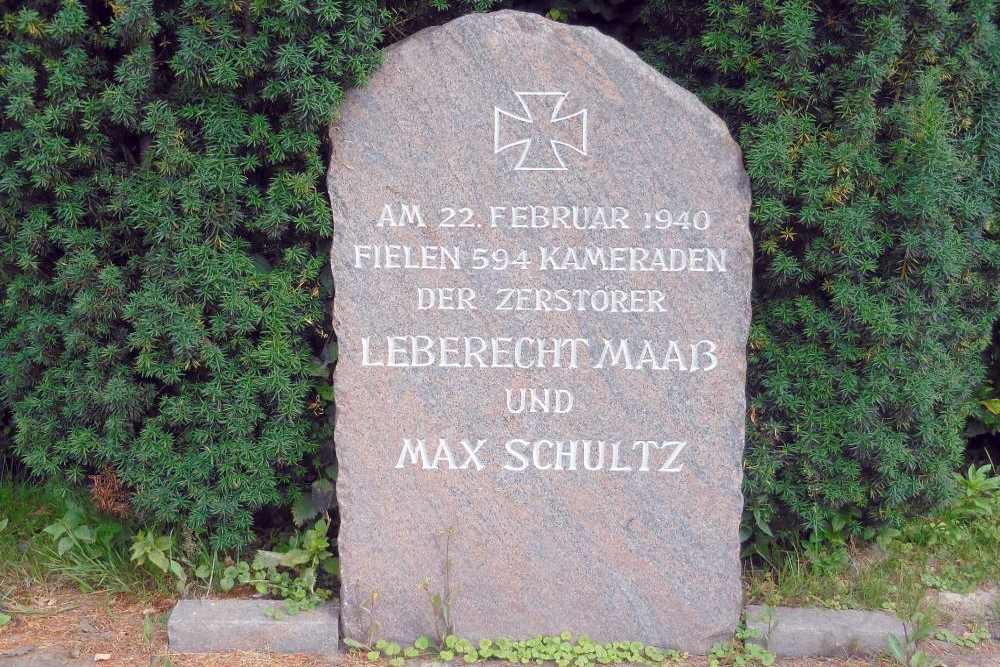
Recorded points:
(65, 628)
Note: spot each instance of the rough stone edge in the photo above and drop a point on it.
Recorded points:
(242, 625)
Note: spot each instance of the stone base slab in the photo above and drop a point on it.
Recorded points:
(811, 632)
(217, 626)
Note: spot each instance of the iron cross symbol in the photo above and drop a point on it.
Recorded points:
(549, 132)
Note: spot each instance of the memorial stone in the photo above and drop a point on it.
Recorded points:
(542, 268)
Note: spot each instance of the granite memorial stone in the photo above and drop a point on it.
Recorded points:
(542, 269)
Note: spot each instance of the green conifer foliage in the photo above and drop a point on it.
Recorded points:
(871, 134)
(163, 228)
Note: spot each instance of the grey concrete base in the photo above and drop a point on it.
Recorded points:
(214, 626)
(802, 632)
(27, 656)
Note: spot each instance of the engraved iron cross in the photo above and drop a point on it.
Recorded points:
(549, 131)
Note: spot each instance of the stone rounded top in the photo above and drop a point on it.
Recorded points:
(538, 34)
(434, 104)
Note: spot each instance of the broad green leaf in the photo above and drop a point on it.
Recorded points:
(64, 545)
(303, 509)
(761, 523)
(73, 518)
(159, 559)
(54, 529)
(331, 566)
(290, 558)
(896, 649)
(177, 570)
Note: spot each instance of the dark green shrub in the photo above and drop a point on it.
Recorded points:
(162, 241)
(871, 133)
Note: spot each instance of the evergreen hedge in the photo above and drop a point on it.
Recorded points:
(163, 233)
(162, 241)
(871, 134)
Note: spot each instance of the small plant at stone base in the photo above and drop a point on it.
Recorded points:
(978, 489)
(290, 573)
(189, 564)
(157, 550)
(444, 624)
(826, 548)
(561, 650)
(904, 650)
(739, 652)
(965, 640)
(152, 622)
(373, 626)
